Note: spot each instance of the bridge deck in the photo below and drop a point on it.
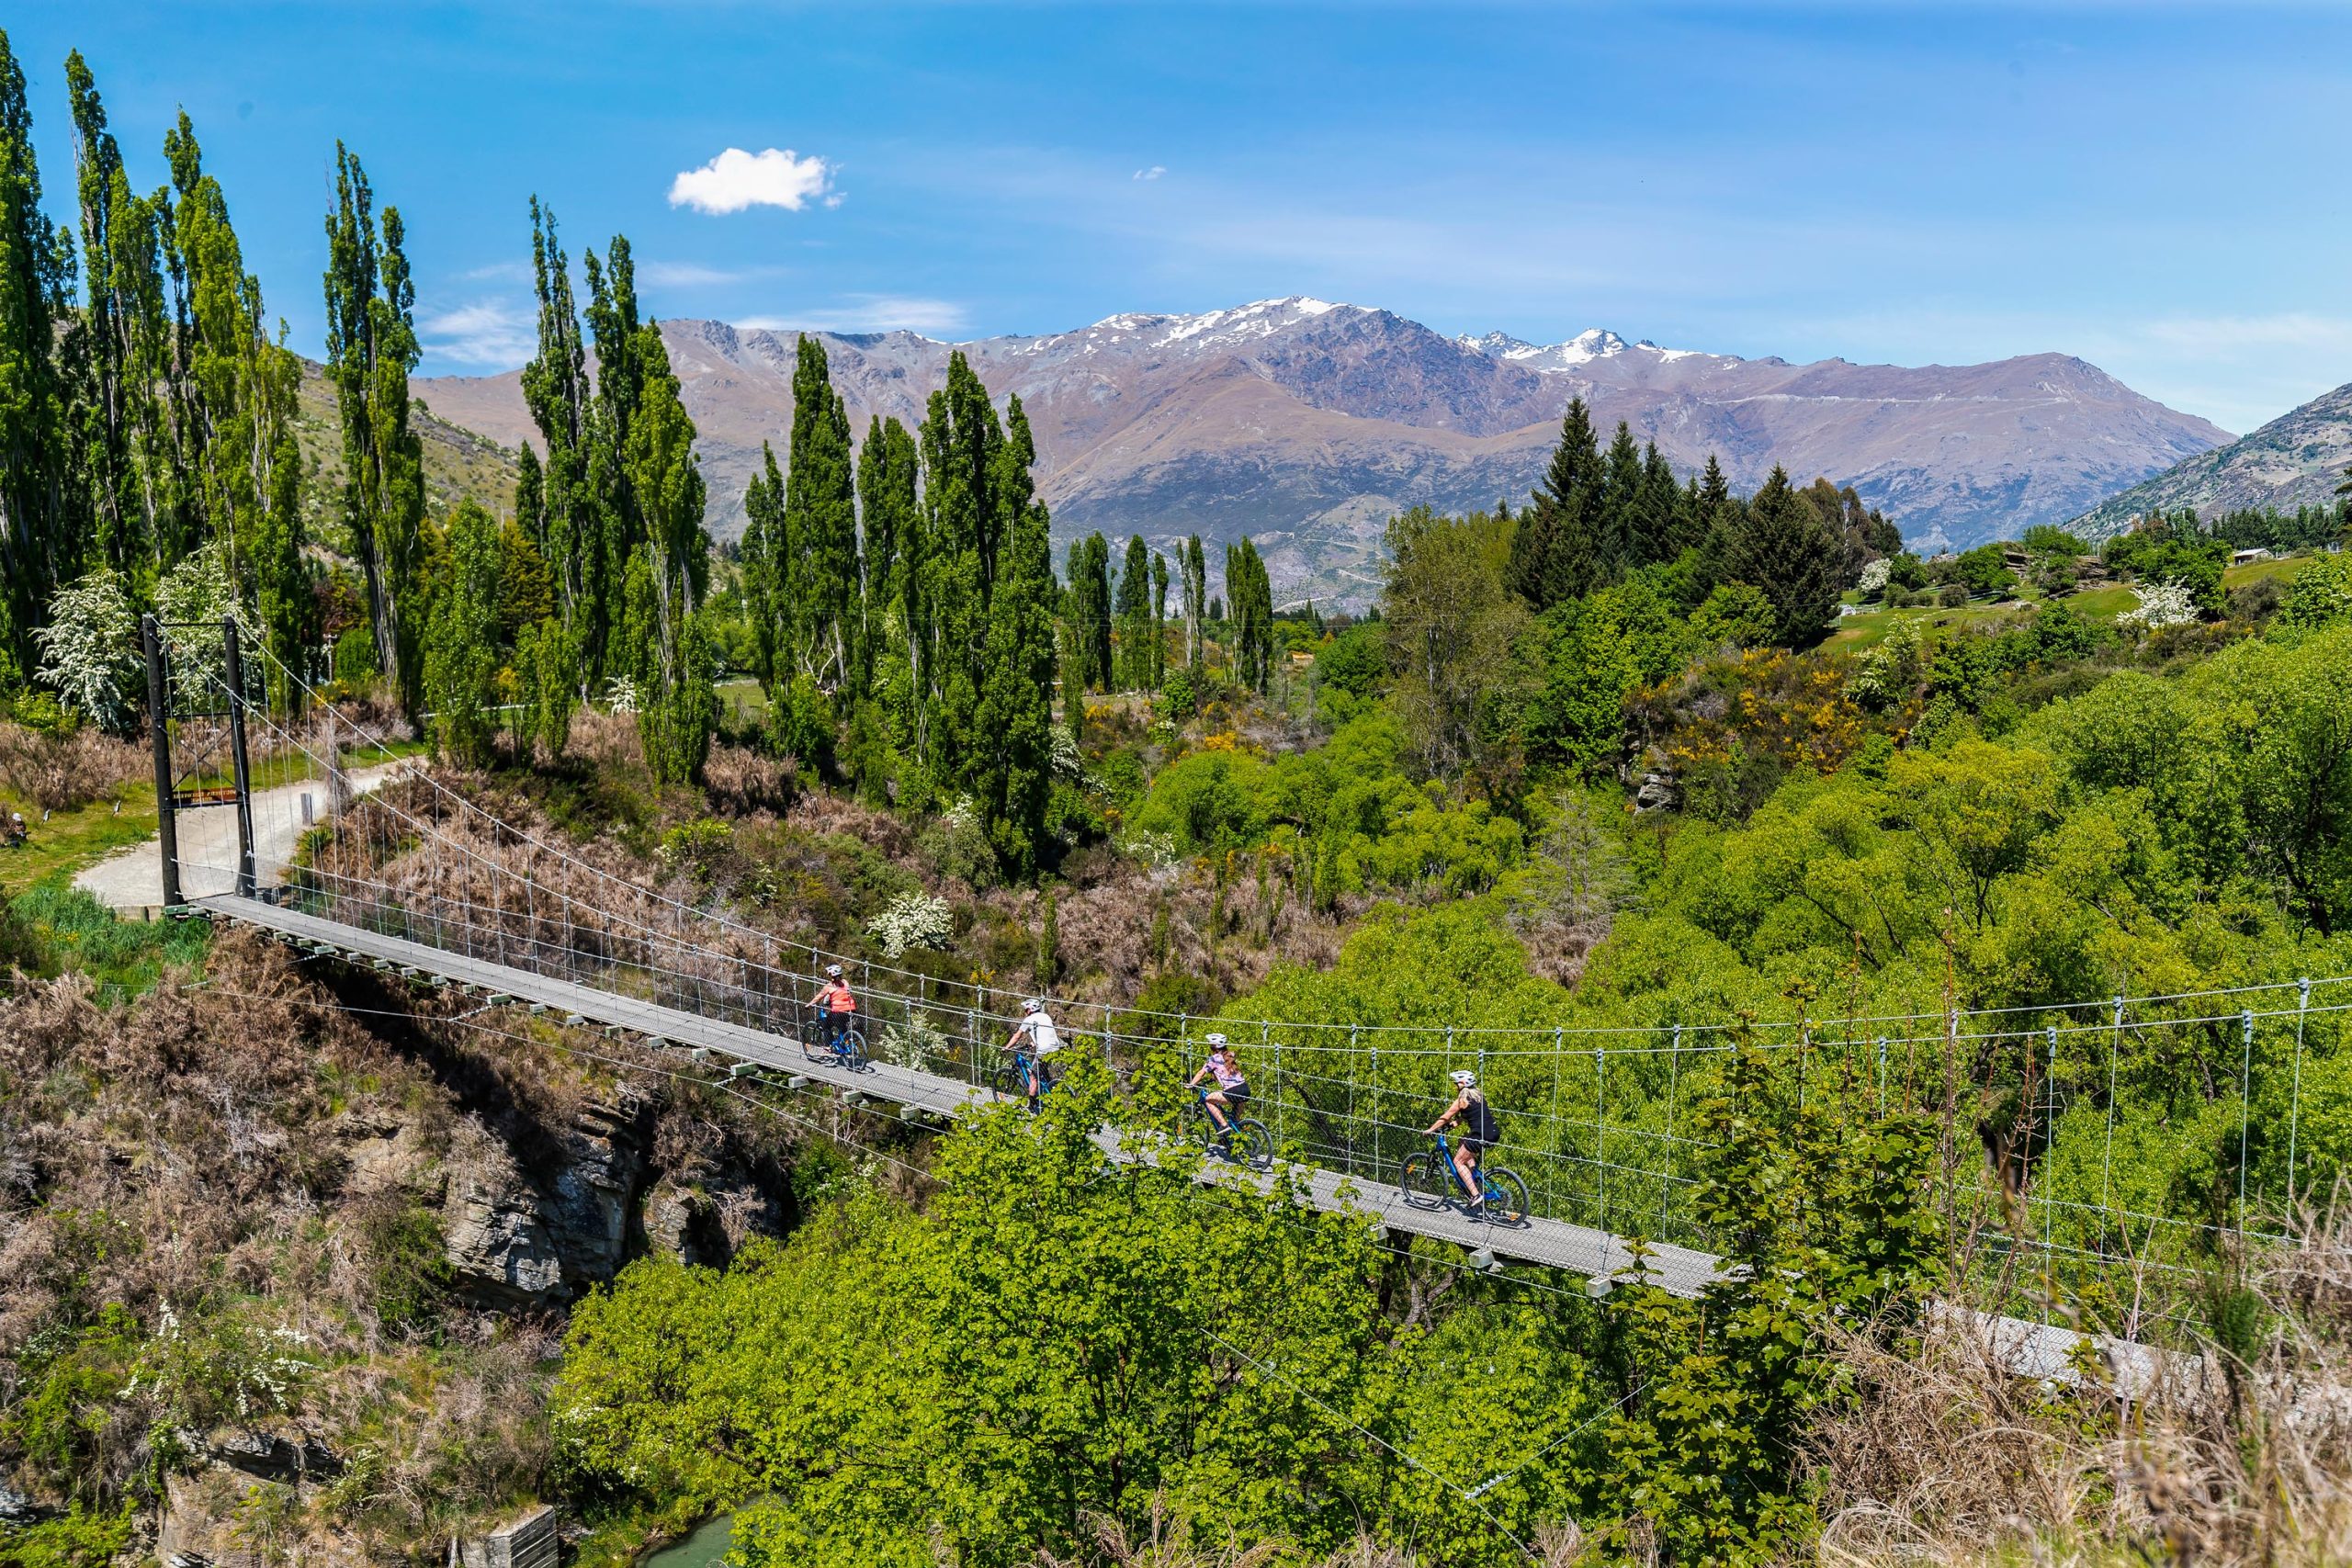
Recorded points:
(2027, 1349)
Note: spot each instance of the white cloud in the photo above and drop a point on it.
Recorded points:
(487, 332)
(696, 275)
(866, 313)
(736, 180)
(1151, 174)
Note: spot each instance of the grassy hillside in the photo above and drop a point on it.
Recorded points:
(459, 463)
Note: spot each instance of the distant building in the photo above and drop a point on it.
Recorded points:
(2239, 557)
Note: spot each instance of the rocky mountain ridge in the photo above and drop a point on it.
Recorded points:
(1308, 424)
(2296, 460)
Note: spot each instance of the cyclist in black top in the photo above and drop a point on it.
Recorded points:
(1479, 1133)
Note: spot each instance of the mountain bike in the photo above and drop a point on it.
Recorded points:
(1429, 1182)
(1011, 1076)
(846, 1049)
(1245, 1140)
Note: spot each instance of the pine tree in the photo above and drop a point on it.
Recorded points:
(41, 517)
(1134, 609)
(371, 349)
(1557, 551)
(1784, 548)
(1626, 533)
(1661, 537)
(820, 520)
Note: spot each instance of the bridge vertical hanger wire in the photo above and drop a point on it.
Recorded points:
(2106, 1161)
(1673, 1087)
(2295, 1105)
(1600, 1125)
(2245, 1105)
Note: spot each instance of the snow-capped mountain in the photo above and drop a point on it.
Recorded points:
(1308, 424)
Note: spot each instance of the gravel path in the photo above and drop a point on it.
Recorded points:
(133, 878)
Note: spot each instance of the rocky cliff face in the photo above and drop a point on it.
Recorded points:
(1307, 424)
(521, 1237)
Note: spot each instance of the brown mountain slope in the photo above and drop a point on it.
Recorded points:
(1307, 424)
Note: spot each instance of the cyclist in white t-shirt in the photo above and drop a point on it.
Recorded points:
(1034, 1038)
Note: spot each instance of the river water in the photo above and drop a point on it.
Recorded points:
(706, 1548)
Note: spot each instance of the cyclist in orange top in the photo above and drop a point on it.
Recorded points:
(836, 1007)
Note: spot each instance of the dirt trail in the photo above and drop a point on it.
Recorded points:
(133, 878)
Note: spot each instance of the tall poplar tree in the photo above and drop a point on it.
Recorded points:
(891, 525)
(1249, 596)
(235, 395)
(371, 349)
(41, 525)
(1015, 776)
(1159, 621)
(820, 520)
(1133, 609)
(1088, 607)
(1196, 601)
(571, 533)
(766, 556)
(669, 570)
(959, 441)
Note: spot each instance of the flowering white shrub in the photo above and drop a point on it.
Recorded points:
(911, 919)
(620, 695)
(1156, 850)
(1874, 574)
(2162, 605)
(89, 649)
(1067, 761)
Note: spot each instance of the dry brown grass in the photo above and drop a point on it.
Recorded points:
(58, 772)
(741, 782)
(1946, 1457)
(605, 739)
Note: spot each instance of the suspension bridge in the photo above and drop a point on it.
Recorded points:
(346, 849)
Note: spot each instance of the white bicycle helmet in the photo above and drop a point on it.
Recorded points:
(833, 971)
(1215, 1041)
(1034, 1004)
(1463, 1078)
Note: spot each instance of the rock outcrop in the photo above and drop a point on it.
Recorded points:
(521, 1237)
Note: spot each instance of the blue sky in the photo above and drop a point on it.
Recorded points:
(2159, 188)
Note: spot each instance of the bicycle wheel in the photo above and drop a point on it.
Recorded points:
(1422, 1182)
(1006, 1079)
(1506, 1197)
(1252, 1146)
(852, 1050)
